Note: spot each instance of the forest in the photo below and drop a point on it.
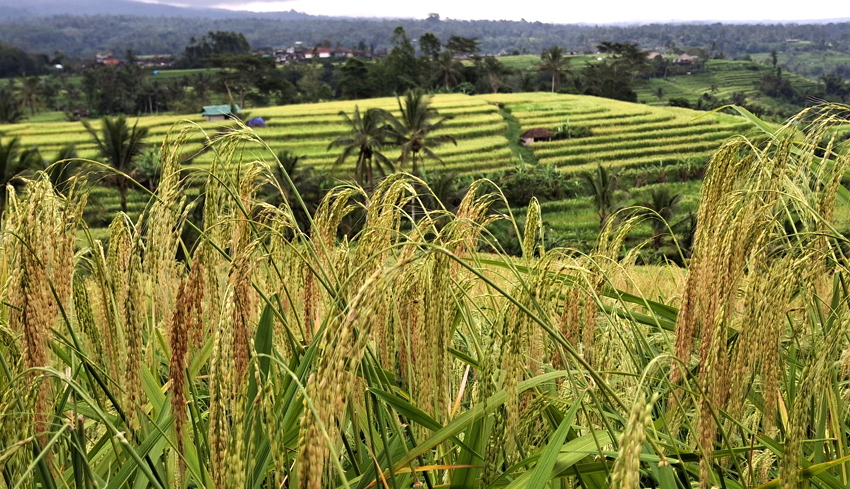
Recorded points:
(86, 35)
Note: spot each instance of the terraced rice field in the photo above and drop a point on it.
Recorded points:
(303, 129)
(624, 136)
(726, 77)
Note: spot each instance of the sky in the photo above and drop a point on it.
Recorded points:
(583, 11)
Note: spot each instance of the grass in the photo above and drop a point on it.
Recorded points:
(404, 353)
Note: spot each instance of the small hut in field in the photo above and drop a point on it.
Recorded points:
(220, 112)
(535, 135)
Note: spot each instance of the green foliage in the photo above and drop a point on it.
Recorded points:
(10, 106)
(119, 146)
(413, 131)
(368, 135)
(601, 186)
(554, 62)
(200, 50)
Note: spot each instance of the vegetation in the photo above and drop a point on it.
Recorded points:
(119, 146)
(168, 34)
(369, 134)
(282, 358)
(414, 130)
(647, 147)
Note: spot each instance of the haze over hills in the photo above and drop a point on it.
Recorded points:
(16, 11)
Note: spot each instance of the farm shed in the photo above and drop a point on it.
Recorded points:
(219, 112)
(534, 135)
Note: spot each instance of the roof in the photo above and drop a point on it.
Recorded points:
(219, 109)
(537, 133)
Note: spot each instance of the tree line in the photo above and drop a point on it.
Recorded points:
(83, 36)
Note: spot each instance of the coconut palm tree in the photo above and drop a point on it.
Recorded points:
(368, 135)
(413, 130)
(13, 162)
(447, 69)
(659, 210)
(553, 61)
(601, 185)
(305, 182)
(30, 93)
(60, 170)
(119, 145)
(10, 106)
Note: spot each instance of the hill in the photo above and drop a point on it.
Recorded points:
(73, 28)
(17, 11)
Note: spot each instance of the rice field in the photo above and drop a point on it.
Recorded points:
(721, 78)
(624, 137)
(416, 353)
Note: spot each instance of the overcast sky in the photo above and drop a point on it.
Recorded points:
(562, 11)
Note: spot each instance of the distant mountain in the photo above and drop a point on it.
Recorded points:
(17, 11)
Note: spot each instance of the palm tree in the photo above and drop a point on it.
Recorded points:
(30, 93)
(289, 164)
(10, 106)
(60, 170)
(277, 190)
(659, 210)
(446, 68)
(601, 185)
(13, 161)
(412, 132)
(553, 61)
(119, 146)
(368, 135)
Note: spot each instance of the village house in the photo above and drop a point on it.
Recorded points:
(106, 59)
(654, 55)
(220, 112)
(535, 135)
(686, 59)
(155, 61)
(319, 52)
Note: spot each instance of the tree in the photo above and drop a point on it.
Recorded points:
(368, 135)
(601, 185)
(430, 45)
(243, 73)
(659, 211)
(494, 72)
(447, 69)
(62, 168)
(614, 78)
(148, 168)
(198, 51)
(401, 64)
(277, 190)
(413, 131)
(10, 106)
(553, 61)
(354, 79)
(119, 146)
(660, 93)
(30, 93)
(12, 163)
(462, 45)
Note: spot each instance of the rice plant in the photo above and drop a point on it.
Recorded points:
(415, 353)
